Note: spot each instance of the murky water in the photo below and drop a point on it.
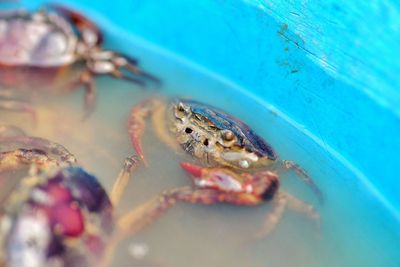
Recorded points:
(356, 230)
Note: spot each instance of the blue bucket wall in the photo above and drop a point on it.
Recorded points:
(331, 67)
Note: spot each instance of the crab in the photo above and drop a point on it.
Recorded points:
(56, 47)
(209, 135)
(223, 185)
(59, 214)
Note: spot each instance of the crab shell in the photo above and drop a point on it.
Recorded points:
(198, 128)
(38, 49)
(57, 219)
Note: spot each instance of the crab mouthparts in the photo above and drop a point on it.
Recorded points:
(192, 169)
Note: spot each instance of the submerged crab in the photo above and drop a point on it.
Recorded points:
(215, 185)
(58, 215)
(210, 135)
(57, 48)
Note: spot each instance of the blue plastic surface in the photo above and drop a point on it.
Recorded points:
(331, 67)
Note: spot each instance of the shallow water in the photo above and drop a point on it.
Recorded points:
(356, 229)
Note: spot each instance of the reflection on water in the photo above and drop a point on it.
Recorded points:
(355, 229)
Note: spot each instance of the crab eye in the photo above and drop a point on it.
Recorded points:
(181, 107)
(181, 111)
(197, 116)
(228, 135)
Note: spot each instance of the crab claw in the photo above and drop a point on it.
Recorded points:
(194, 170)
(220, 179)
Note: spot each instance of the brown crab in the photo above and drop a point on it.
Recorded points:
(57, 48)
(211, 136)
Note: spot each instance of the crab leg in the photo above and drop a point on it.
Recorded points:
(302, 174)
(137, 122)
(281, 202)
(116, 193)
(133, 222)
(145, 214)
(123, 178)
(148, 212)
(86, 80)
(120, 75)
(90, 92)
(120, 66)
(130, 65)
(273, 217)
(302, 207)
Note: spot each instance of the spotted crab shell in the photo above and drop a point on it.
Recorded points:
(247, 138)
